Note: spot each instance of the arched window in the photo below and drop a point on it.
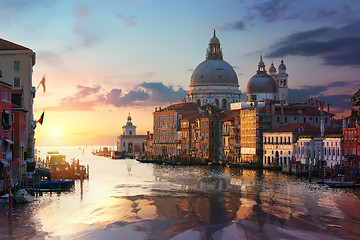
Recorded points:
(223, 103)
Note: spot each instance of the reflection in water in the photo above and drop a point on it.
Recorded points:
(124, 199)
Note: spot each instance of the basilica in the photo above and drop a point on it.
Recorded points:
(217, 122)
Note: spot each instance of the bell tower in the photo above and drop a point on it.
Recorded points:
(129, 128)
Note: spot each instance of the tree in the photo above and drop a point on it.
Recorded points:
(355, 102)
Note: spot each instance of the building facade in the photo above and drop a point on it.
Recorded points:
(129, 142)
(167, 128)
(16, 67)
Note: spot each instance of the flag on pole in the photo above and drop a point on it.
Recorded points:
(41, 119)
(42, 82)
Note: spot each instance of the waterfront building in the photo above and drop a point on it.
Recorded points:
(167, 127)
(19, 139)
(351, 133)
(301, 144)
(129, 142)
(187, 146)
(200, 136)
(149, 147)
(279, 144)
(230, 139)
(214, 81)
(333, 150)
(6, 136)
(16, 67)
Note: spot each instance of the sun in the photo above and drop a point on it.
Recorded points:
(55, 132)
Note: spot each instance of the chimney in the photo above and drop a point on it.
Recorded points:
(317, 104)
(155, 109)
(321, 108)
(267, 105)
(159, 108)
(328, 105)
(282, 110)
(311, 102)
(148, 134)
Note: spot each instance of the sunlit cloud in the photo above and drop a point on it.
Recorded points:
(339, 101)
(144, 94)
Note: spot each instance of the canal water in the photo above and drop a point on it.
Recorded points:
(125, 199)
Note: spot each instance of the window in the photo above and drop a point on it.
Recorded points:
(17, 65)
(130, 132)
(0, 74)
(304, 119)
(16, 82)
(278, 119)
(6, 119)
(285, 119)
(4, 96)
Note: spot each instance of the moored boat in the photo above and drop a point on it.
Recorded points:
(22, 196)
(55, 184)
(340, 184)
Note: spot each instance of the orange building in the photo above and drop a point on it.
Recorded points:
(167, 128)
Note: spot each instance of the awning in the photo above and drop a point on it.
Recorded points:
(6, 163)
(9, 141)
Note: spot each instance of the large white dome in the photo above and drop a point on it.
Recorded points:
(214, 72)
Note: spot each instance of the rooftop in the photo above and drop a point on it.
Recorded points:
(6, 45)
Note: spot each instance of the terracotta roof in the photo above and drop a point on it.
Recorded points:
(227, 118)
(192, 116)
(306, 128)
(187, 106)
(134, 136)
(6, 45)
(294, 127)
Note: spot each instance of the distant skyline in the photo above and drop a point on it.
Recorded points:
(103, 60)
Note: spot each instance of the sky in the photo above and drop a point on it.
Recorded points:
(106, 59)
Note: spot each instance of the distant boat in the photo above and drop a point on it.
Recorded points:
(340, 184)
(4, 198)
(22, 196)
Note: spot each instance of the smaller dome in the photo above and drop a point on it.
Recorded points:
(261, 83)
(272, 69)
(282, 66)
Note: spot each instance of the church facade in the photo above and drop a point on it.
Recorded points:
(129, 142)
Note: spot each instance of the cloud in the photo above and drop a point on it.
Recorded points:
(339, 102)
(83, 28)
(283, 10)
(240, 25)
(49, 57)
(128, 21)
(335, 46)
(85, 99)
(144, 94)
